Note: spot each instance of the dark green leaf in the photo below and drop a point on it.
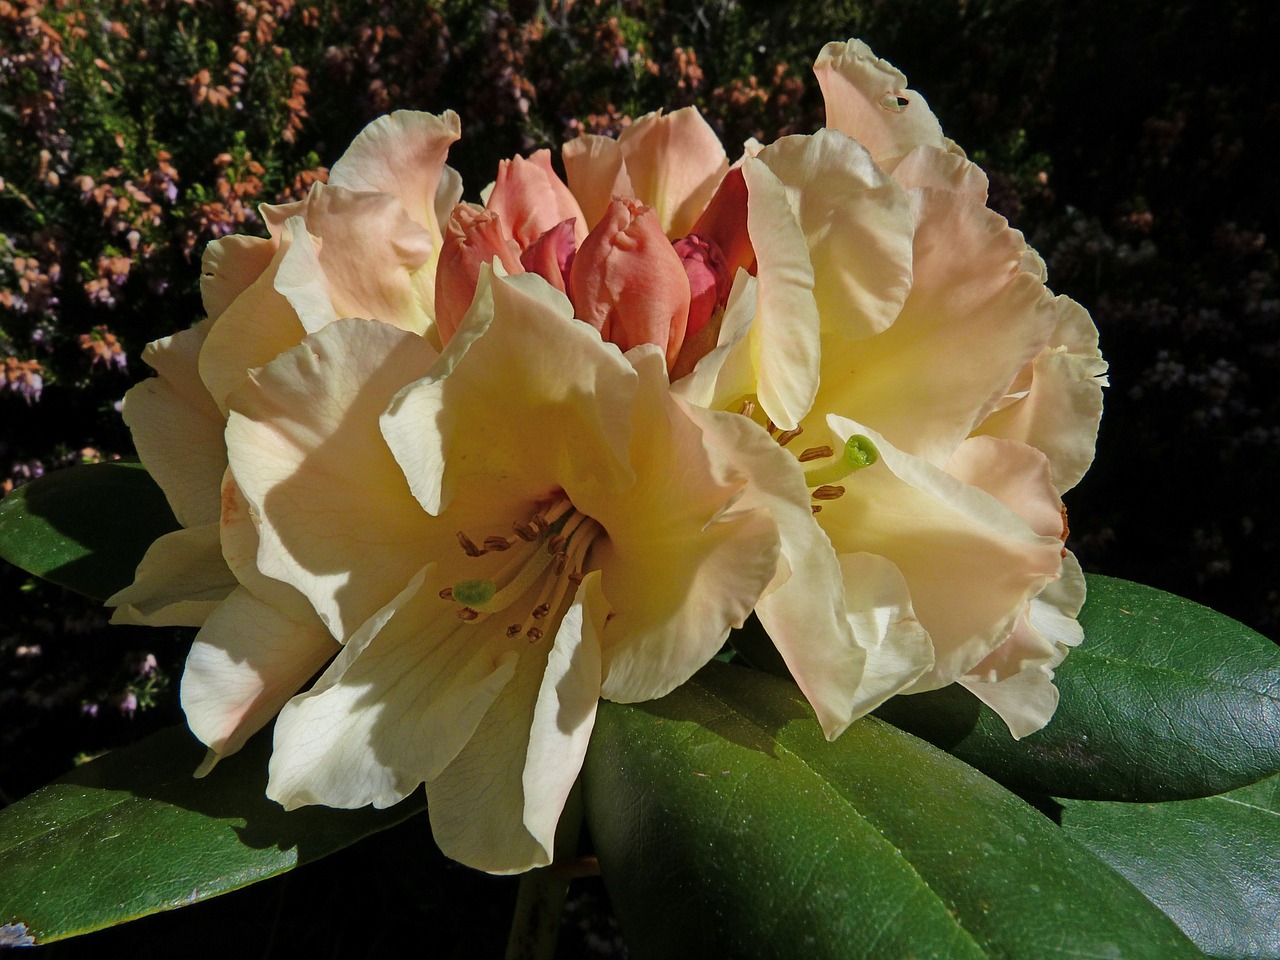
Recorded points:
(1164, 700)
(1213, 864)
(133, 833)
(86, 527)
(727, 826)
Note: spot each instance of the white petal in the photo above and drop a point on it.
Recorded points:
(181, 578)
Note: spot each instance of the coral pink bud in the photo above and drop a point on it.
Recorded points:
(531, 199)
(628, 282)
(551, 255)
(709, 279)
(472, 238)
(724, 223)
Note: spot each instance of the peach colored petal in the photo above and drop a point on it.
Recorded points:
(337, 519)
(675, 163)
(596, 172)
(1015, 474)
(247, 660)
(177, 427)
(229, 266)
(930, 166)
(551, 255)
(181, 579)
(474, 237)
(531, 198)
(868, 99)
(724, 223)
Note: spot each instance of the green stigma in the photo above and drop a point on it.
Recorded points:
(474, 593)
(859, 452)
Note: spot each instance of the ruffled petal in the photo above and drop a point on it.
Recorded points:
(181, 578)
(971, 563)
(857, 225)
(177, 427)
(974, 318)
(1015, 474)
(1058, 412)
(867, 98)
(248, 659)
(394, 709)
(785, 332)
(675, 163)
(679, 570)
(229, 267)
(499, 405)
(403, 154)
(337, 519)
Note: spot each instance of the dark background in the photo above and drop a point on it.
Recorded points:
(1125, 140)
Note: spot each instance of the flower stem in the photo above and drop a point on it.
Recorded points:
(540, 900)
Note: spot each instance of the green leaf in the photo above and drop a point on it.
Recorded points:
(1213, 864)
(133, 833)
(85, 528)
(727, 826)
(1164, 700)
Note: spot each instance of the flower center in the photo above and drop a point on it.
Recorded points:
(551, 546)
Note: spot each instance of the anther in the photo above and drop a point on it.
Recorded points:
(525, 531)
(466, 613)
(469, 546)
(828, 491)
(562, 561)
(497, 544)
(813, 453)
(534, 634)
(446, 593)
(769, 425)
(540, 611)
(577, 577)
(816, 507)
(539, 523)
(747, 409)
(786, 436)
(556, 543)
(513, 631)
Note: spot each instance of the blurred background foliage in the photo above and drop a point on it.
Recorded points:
(1125, 140)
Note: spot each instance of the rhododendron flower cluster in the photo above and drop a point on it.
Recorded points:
(478, 465)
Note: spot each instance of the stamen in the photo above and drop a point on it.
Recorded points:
(497, 544)
(858, 452)
(513, 631)
(816, 507)
(466, 613)
(534, 634)
(769, 426)
(747, 409)
(469, 546)
(786, 436)
(525, 530)
(540, 611)
(446, 593)
(828, 492)
(813, 453)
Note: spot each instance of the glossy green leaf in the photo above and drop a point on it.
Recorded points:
(85, 528)
(1165, 700)
(133, 833)
(727, 826)
(1213, 864)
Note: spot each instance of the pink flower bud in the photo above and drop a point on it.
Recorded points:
(531, 199)
(551, 255)
(628, 282)
(709, 279)
(472, 238)
(724, 223)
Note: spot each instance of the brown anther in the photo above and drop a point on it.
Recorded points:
(562, 561)
(540, 611)
(469, 546)
(769, 425)
(466, 613)
(497, 544)
(786, 436)
(577, 577)
(525, 531)
(813, 453)
(556, 543)
(513, 631)
(534, 634)
(828, 491)
(539, 523)
(446, 593)
(816, 507)
(747, 409)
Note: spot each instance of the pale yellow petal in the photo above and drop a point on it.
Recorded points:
(1025, 701)
(394, 709)
(868, 99)
(502, 405)
(857, 225)
(177, 428)
(229, 267)
(596, 174)
(682, 563)
(247, 660)
(180, 580)
(674, 162)
(930, 166)
(337, 519)
(785, 334)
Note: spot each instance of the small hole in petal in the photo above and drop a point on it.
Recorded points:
(894, 101)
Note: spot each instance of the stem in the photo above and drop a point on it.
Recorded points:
(540, 901)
